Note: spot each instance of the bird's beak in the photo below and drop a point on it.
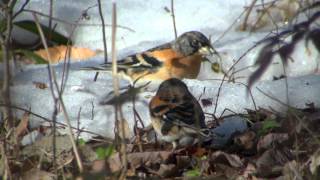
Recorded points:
(209, 51)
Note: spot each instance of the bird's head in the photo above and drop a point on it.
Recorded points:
(193, 42)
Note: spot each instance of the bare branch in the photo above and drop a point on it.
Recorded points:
(244, 25)
(116, 91)
(21, 9)
(173, 19)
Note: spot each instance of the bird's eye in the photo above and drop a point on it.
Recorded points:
(194, 43)
(174, 100)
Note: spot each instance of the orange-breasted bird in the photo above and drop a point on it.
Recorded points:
(176, 115)
(178, 59)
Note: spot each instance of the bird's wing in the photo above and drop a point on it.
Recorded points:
(134, 64)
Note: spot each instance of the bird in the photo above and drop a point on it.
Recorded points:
(176, 116)
(180, 59)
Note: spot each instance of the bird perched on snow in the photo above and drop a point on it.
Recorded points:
(176, 115)
(178, 59)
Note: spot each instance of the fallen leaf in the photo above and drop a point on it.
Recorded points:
(168, 170)
(248, 172)
(315, 162)
(271, 162)
(140, 158)
(23, 125)
(220, 157)
(270, 139)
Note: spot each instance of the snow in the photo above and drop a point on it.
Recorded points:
(152, 26)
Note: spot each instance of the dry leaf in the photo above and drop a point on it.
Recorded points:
(138, 159)
(271, 162)
(270, 139)
(23, 125)
(232, 160)
(58, 53)
(98, 166)
(315, 162)
(248, 172)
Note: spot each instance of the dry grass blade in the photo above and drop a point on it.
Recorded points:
(116, 92)
(173, 19)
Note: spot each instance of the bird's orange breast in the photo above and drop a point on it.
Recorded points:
(174, 66)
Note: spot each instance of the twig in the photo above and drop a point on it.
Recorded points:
(225, 75)
(265, 11)
(55, 100)
(105, 52)
(66, 62)
(173, 19)
(50, 20)
(54, 79)
(78, 124)
(48, 120)
(21, 9)
(116, 91)
(273, 98)
(5, 39)
(229, 28)
(54, 121)
(103, 32)
(245, 21)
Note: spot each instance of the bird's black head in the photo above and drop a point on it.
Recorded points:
(193, 42)
(173, 90)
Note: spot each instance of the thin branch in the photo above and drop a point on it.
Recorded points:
(54, 121)
(21, 9)
(5, 39)
(229, 28)
(105, 52)
(50, 20)
(116, 91)
(103, 32)
(245, 21)
(48, 120)
(173, 19)
(64, 110)
(229, 70)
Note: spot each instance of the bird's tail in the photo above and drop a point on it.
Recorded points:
(106, 67)
(97, 68)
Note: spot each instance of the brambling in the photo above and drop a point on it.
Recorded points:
(178, 59)
(176, 116)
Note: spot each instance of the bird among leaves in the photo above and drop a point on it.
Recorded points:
(176, 116)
